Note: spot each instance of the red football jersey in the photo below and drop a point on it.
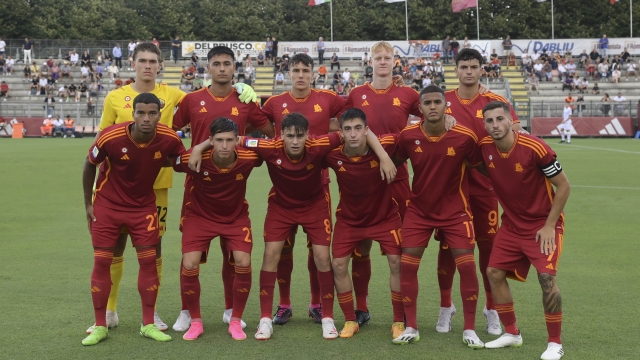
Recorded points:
(219, 194)
(365, 199)
(295, 183)
(521, 182)
(319, 107)
(387, 110)
(439, 191)
(468, 112)
(129, 169)
(201, 107)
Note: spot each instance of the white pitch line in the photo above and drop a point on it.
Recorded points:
(597, 148)
(606, 187)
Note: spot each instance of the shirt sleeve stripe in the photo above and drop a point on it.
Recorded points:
(535, 144)
(532, 148)
(110, 136)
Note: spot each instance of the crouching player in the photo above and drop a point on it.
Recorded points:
(217, 207)
(532, 222)
(366, 211)
(132, 154)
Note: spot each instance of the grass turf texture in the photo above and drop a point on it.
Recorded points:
(46, 260)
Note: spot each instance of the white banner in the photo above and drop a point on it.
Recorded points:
(406, 48)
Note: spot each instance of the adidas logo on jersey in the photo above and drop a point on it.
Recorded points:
(128, 106)
(365, 103)
(157, 155)
(203, 110)
(239, 177)
(285, 112)
(125, 157)
(519, 167)
(342, 168)
(207, 179)
(448, 111)
(492, 166)
(373, 164)
(451, 152)
(491, 231)
(418, 149)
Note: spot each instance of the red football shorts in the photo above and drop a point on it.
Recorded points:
(185, 202)
(198, 232)
(485, 216)
(515, 255)
(416, 232)
(401, 193)
(347, 238)
(315, 219)
(141, 223)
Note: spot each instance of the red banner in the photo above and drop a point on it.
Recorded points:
(459, 5)
(620, 126)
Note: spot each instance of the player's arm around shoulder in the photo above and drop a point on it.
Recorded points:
(388, 169)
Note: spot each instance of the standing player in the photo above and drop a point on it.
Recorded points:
(132, 154)
(366, 211)
(220, 99)
(217, 207)
(465, 104)
(439, 200)
(566, 122)
(319, 107)
(523, 169)
(117, 109)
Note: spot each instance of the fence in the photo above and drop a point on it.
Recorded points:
(80, 111)
(583, 109)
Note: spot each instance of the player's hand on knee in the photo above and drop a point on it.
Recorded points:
(90, 217)
(449, 122)
(547, 238)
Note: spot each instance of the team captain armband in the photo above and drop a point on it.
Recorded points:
(552, 169)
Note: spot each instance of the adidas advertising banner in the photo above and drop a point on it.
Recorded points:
(584, 126)
(425, 48)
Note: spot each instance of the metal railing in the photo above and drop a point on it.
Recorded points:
(80, 111)
(586, 108)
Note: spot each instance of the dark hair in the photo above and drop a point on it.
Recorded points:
(432, 89)
(146, 98)
(297, 121)
(351, 114)
(468, 54)
(220, 50)
(495, 105)
(222, 125)
(301, 59)
(148, 47)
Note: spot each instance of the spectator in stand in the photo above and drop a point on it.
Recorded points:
(73, 92)
(91, 107)
(603, 70)
(365, 61)
(188, 78)
(130, 61)
(603, 44)
(117, 56)
(568, 83)
(280, 79)
(84, 72)
(534, 82)
(74, 58)
(43, 84)
(86, 59)
(98, 72)
(277, 65)
(584, 86)
(268, 45)
(3, 65)
(439, 70)
(417, 78)
(132, 46)
(368, 72)
(571, 67)
(82, 91)
(495, 64)
(249, 73)
(526, 58)
(583, 58)
(615, 75)
(335, 61)
(455, 46)
(55, 72)
(322, 74)
(69, 127)
(417, 49)
(554, 63)
(51, 84)
(567, 56)
(58, 126)
(336, 79)
(570, 100)
(27, 46)
(274, 49)
(175, 49)
(248, 62)
(446, 49)
(44, 71)
(527, 70)
(65, 71)
(346, 76)
(194, 60)
(47, 126)
(580, 106)
(544, 56)
(594, 55)
(488, 72)
(632, 69)
(605, 108)
(3, 46)
(350, 86)
(562, 71)
(320, 47)
(4, 90)
(466, 44)
(406, 72)
(260, 59)
(624, 56)
(548, 71)
(156, 43)
(591, 69)
(618, 109)
(63, 93)
(506, 49)
(10, 65)
(426, 81)
(113, 72)
(50, 104)
(340, 89)
(238, 60)
(118, 82)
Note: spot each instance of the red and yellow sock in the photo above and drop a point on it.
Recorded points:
(190, 291)
(285, 268)
(409, 266)
(241, 289)
(361, 275)
(345, 300)
(159, 269)
(398, 307)
(101, 284)
(554, 326)
(507, 316)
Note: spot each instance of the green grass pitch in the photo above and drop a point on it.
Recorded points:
(46, 260)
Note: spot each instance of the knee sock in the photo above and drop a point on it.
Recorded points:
(568, 136)
(446, 272)
(398, 308)
(554, 326)
(159, 269)
(484, 248)
(468, 289)
(267, 285)
(313, 280)
(409, 266)
(562, 135)
(147, 283)
(325, 279)
(508, 318)
(241, 289)
(228, 275)
(285, 268)
(182, 295)
(190, 291)
(345, 300)
(361, 275)
(117, 269)
(101, 284)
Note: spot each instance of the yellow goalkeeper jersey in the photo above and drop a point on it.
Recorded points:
(118, 108)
